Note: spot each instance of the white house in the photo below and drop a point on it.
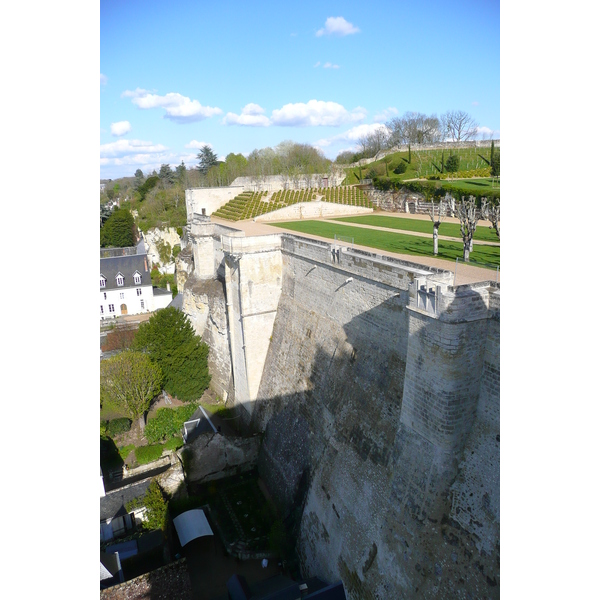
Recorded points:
(126, 285)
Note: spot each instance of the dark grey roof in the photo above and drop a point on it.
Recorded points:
(127, 266)
(160, 291)
(113, 504)
(177, 302)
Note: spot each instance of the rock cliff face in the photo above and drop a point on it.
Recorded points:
(378, 398)
(155, 238)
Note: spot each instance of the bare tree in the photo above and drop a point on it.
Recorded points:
(459, 126)
(490, 211)
(375, 141)
(442, 212)
(414, 128)
(467, 213)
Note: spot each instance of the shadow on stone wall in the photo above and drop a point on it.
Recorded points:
(365, 481)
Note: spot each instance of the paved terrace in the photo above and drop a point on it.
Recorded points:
(464, 273)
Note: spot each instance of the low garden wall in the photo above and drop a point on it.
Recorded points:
(313, 210)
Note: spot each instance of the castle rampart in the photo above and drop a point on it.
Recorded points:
(376, 385)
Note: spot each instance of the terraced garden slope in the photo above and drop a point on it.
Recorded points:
(248, 205)
(473, 162)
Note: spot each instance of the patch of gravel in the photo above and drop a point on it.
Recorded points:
(171, 582)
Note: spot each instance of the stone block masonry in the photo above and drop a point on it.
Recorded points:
(376, 386)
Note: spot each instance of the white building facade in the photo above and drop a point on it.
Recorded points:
(126, 286)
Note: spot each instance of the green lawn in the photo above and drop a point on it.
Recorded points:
(475, 185)
(482, 233)
(397, 242)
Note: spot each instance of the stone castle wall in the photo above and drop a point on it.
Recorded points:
(376, 385)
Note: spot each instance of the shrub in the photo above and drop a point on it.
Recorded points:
(168, 422)
(495, 170)
(103, 426)
(147, 454)
(156, 507)
(401, 168)
(452, 163)
(383, 183)
(118, 426)
(119, 230)
(174, 443)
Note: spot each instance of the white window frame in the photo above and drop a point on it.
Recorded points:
(101, 309)
(121, 295)
(139, 291)
(111, 308)
(142, 304)
(120, 279)
(102, 282)
(137, 278)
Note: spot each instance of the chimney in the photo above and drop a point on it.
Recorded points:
(145, 264)
(168, 287)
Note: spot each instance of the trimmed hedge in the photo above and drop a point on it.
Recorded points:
(148, 454)
(118, 426)
(174, 443)
(431, 188)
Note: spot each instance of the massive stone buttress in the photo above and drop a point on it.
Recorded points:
(376, 385)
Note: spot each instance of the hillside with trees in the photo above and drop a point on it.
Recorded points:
(158, 198)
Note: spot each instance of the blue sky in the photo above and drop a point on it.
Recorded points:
(245, 75)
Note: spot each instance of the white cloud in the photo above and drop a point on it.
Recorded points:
(315, 113)
(120, 128)
(337, 26)
(385, 114)
(196, 144)
(317, 63)
(180, 109)
(252, 116)
(475, 103)
(487, 133)
(103, 79)
(129, 147)
(328, 65)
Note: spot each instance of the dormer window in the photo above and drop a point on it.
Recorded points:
(120, 279)
(137, 278)
(102, 281)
